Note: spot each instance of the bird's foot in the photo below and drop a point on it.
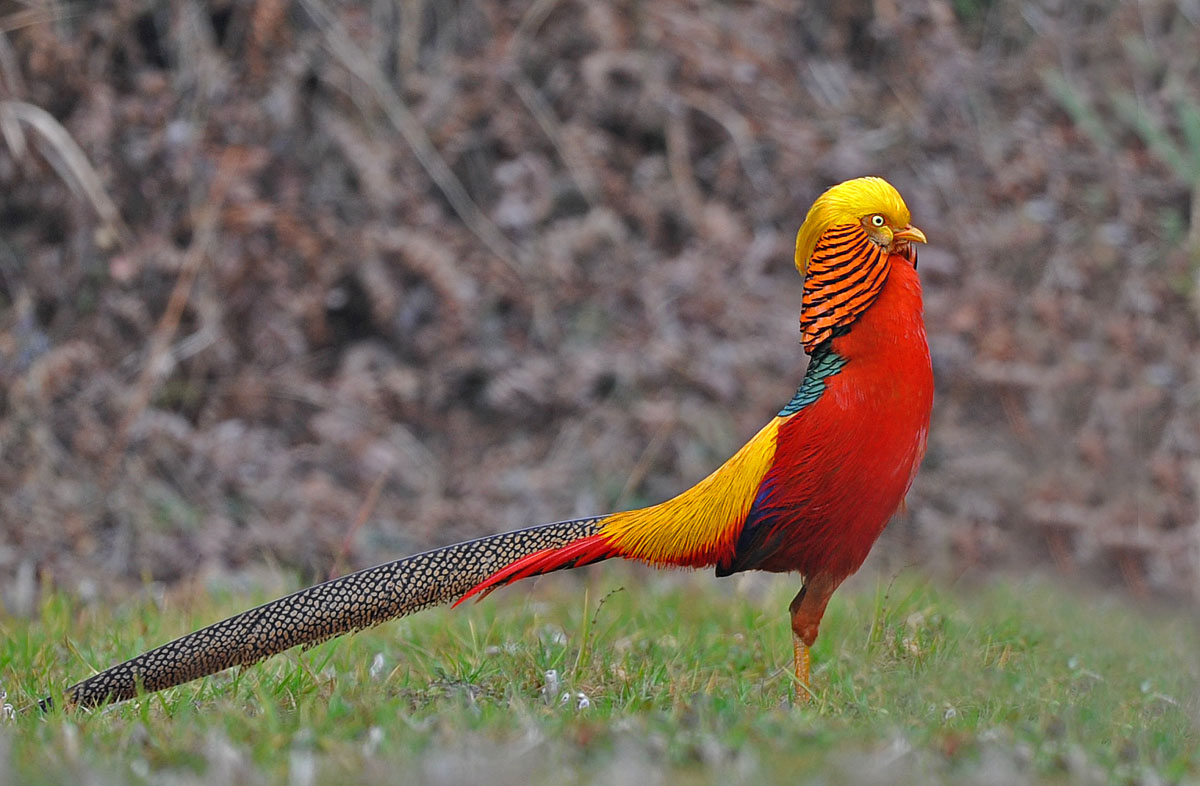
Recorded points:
(803, 688)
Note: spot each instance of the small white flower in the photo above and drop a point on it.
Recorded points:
(582, 702)
(70, 741)
(552, 685)
(374, 738)
(302, 762)
(376, 666)
(302, 768)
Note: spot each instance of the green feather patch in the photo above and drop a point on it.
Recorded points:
(823, 365)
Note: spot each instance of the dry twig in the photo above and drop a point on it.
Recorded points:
(539, 108)
(360, 518)
(402, 118)
(67, 158)
(157, 356)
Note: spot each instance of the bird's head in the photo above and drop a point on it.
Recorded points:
(845, 249)
(871, 202)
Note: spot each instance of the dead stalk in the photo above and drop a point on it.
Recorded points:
(403, 120)
(157, 365)
(67, 158)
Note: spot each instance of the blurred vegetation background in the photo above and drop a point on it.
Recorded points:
(323, 283)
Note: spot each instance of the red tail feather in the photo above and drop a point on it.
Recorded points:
(585, 551)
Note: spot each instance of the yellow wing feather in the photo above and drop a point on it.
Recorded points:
(697, 526)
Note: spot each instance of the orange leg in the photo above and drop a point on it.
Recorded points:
(807, 608)
(800, 652)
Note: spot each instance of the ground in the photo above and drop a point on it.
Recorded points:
(632, 677)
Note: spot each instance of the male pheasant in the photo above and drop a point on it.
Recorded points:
(809, 493)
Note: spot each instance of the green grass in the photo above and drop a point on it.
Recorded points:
(686, 680)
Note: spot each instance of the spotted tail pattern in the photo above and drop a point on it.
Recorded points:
(310, 616)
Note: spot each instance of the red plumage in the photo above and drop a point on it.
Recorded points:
(813, 490)
(843, 464)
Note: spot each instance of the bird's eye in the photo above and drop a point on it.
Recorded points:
(877, 220)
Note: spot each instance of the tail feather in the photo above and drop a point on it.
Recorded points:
(310, 616)
(594, 548)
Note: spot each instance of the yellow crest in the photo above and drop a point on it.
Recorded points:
(849, 203)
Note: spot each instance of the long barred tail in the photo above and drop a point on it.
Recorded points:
(310, 616)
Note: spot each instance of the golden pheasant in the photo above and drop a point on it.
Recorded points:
(809, 493)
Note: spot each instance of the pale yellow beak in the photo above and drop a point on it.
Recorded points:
(911, 234)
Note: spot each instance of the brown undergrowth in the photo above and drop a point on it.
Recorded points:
(488, 264)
